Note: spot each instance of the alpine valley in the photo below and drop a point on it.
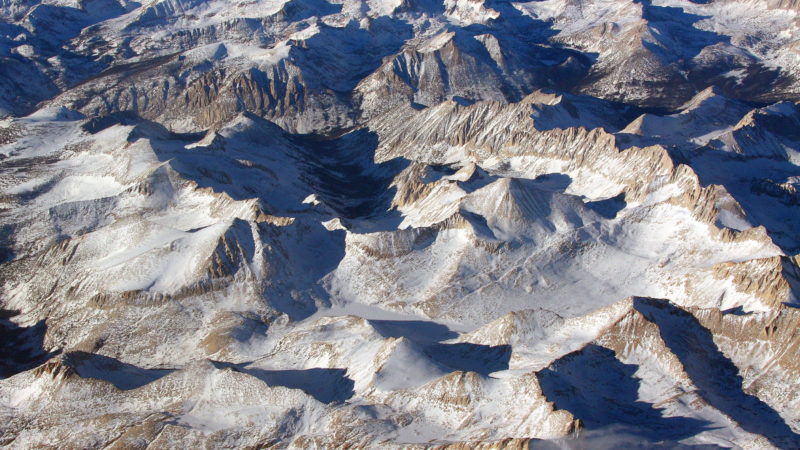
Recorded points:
(555, 224)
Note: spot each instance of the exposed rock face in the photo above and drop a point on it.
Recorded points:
(412, 224)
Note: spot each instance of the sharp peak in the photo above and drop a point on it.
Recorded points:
(711, 92)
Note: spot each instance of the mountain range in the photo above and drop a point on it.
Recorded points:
(400, 224)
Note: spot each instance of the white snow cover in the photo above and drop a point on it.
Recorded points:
(319, 224)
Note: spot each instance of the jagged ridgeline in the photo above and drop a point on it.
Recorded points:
(399, 224)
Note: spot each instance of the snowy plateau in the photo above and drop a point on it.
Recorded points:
(451, 224)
